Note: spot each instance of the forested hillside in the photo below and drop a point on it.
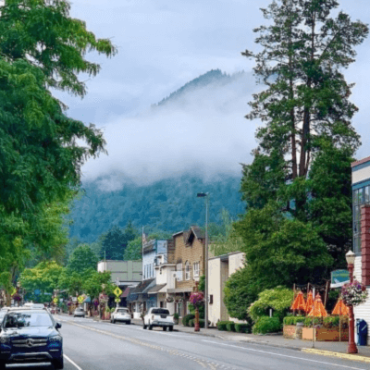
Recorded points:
(169, 205)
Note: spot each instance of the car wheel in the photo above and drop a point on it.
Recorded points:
(150, 327)
(170, 328)
(144, 326)
(113, 321)
(164, 328)
(59, 364)
(2, 365)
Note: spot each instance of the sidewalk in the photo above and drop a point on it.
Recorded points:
(333, 348)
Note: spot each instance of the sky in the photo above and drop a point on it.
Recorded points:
(163, 44)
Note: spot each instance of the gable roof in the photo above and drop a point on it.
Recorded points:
(194, 231)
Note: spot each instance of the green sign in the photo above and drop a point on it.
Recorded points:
(339, 276)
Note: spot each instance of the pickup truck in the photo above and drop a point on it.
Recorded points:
(157, 316)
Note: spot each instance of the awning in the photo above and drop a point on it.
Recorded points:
(156, 289)
(140, 290)
(126, 292)
(180, 290)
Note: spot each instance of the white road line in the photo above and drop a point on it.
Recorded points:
(72, 362)
(281, 355)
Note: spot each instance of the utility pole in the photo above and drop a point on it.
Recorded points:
(206, 196)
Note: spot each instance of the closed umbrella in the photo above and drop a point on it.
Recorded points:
(318, 309)
(309, 303)
(340, 308)
(299, 303)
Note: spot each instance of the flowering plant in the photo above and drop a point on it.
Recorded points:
(196, 299)
(95, 302)
(170, 299)
(69, 303)
(354, 293)
(17, 297)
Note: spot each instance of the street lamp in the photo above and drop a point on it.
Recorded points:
(206, 196)
(352, 348)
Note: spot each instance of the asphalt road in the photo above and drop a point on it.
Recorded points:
(90, 345)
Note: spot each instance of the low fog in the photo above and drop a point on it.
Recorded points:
(204, 132)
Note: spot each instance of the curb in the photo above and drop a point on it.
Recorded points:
(343, 356)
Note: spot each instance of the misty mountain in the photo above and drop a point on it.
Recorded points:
(170, 205)
(192, 141)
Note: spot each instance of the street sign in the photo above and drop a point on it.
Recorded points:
(55, 300)
(117, 292)
(117, 300)
(37, 291)
(81, 299)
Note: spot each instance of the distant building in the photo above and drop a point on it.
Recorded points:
(123, 272)
(219, 270)
(361, 230)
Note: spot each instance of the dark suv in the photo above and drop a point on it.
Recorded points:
(30, 336)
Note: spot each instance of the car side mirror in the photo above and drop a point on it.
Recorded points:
(58, 325)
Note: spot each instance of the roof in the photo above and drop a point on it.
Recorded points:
(361, 161)
(142, 287)
(126, 292)
(194, 231)
(156, 289)
(198, 232)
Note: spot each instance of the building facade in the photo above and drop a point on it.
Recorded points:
(219, 270)
(361, 230)
(188, 258)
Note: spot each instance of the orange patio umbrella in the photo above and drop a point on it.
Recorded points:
(318, 309)
(299, 304)
(340, 308)
(309, 303)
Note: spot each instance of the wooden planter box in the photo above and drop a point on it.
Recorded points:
(325, 335)
(289, 331)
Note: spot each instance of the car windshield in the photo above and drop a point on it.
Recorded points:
(122, 311)
(160, 311)
(27, 319)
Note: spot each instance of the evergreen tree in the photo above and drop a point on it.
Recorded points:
(294, 231)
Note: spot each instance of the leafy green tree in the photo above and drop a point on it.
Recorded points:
(45, 277)
(82, 259)
(115, 241)
(133, 252)
(41, 47)
(93, 285)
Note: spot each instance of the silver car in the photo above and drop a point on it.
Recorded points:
(120, 314)
(79, 312)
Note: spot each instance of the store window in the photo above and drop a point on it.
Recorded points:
(196, 267)
(187, 270)
(360, 197)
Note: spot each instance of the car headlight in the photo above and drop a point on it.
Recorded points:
(55, 339)
(4, 340)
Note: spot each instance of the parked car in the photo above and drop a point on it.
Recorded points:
(157, 316)
(2, 315)
(79, 312)
(30, 335)
(120, 314)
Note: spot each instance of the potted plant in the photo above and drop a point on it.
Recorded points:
(176, 318)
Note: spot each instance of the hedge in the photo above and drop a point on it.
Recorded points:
(187, 318)
(293, 320)
(222, 325)
(230, 326)
(266, 325)
(242, 328)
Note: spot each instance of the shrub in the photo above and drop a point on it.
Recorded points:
(201, 323)
(331, 322)
(266, 325)
(293, 320)
(187, 318)
(222, 325)
(191, 323)
(310, 321)
(242, 328)
(230, 326)
(176, 316)
(279, 299)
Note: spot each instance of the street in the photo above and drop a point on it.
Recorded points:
(91, 345)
